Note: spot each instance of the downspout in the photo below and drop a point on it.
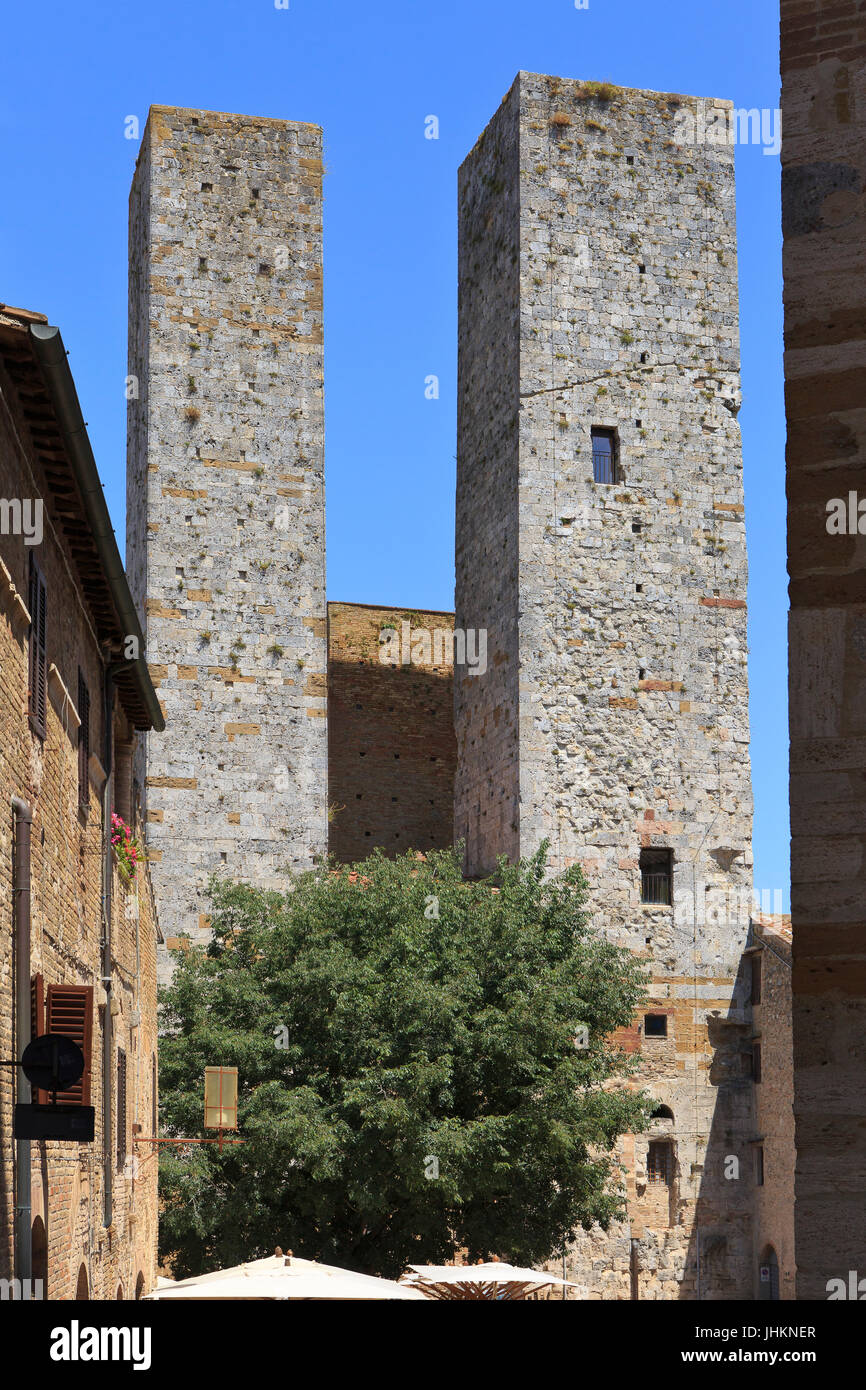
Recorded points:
(21, 898)
(107, 1028)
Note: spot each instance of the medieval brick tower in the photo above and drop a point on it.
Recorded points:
(225, 505)
(600, 540)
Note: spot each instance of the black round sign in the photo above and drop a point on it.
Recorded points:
(52, 1062)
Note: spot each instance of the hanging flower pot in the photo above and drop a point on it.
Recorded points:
(127, 849)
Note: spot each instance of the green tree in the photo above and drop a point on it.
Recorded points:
(410, 1082)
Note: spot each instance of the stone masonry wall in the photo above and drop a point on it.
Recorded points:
(774, 1104)
(391, 749)
(824, 259)
(225, 532)
(620, 609)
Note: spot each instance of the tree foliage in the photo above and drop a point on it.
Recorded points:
(409, 1079)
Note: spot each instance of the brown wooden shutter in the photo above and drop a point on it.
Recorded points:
(83, 742)
(38, 696)
(37, 1027)
(70, 1012)
(121, 1107)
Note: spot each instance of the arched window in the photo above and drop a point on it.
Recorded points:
(768, 1276)
(662, 1112)
(139, 1285)
(39, 1257)
(119, 1294)
(82, 1288)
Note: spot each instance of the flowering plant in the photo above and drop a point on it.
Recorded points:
(126, 847)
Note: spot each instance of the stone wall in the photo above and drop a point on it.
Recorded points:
(598, 289)
(391, 749)
(68, 1179)
(774, 1105)
(824, 226)
(225, 530)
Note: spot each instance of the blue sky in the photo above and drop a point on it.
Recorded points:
(370, 74)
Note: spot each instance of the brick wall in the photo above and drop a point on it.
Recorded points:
(391, 748)
(774, 1105)
(68, 1179)
(824, 227)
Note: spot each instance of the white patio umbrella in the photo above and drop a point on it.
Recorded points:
(491, 1282)
(281, 1277)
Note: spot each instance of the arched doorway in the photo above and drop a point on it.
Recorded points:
(39, 1258)
(768, 1277)
(139, 1285)
(82, 1288)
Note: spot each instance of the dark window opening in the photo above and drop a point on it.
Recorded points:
(656, 876)
(38, 694)
(83, 743)
(756, 979)
(604, 456)
(644, 357)
(660, 1162)
(629, 159)
(759, 1165)
(655, 1025)
(121, 1107)
(756, 1063)
(662, 1112)
(638, 588)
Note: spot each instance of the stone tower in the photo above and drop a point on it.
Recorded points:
(225, 497)
(600, 540)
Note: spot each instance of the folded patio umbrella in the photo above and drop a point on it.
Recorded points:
(281, 1277)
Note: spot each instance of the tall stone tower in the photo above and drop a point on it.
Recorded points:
(600, 540)
(225, 497)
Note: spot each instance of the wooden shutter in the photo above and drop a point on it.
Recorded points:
(38, 698)
(70, 1012)
(121, 1107)
(83, 742)
(37, 1027)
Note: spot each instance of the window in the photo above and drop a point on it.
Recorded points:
(83, 743)
(655, 1025)
(604, 456)
(121, 1107)
(656, 876)
(660, 1162)
(70, 1012)
(756, 978)
(38, 693)
(662, 1112)
(756, 1063)
(759, 1165)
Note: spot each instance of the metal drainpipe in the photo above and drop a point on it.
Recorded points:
(107, 1029)
(21, 896)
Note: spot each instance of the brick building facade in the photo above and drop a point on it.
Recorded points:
(824, 260)
(391, 749)
(769, 966)
(82, 959)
